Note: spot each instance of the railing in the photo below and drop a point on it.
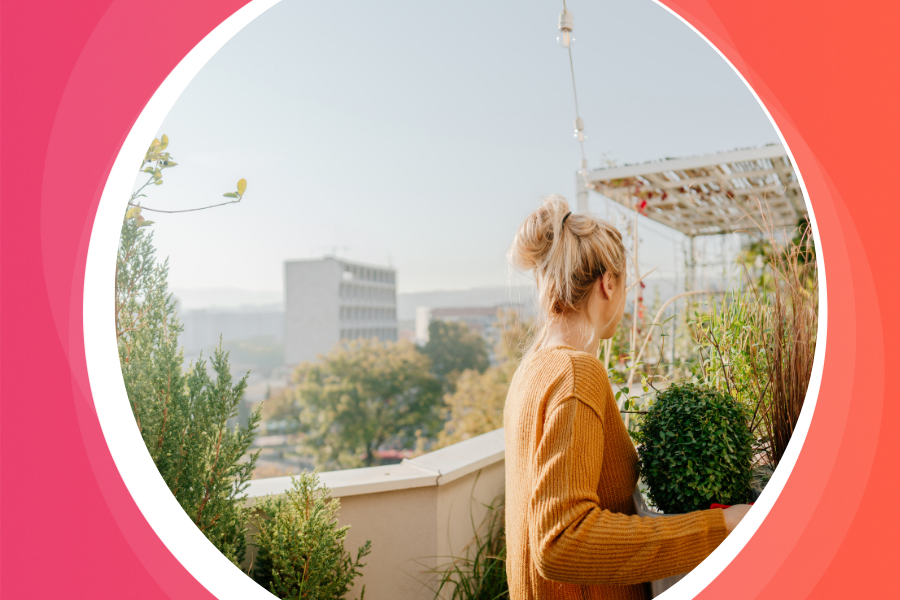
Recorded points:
(418, 514)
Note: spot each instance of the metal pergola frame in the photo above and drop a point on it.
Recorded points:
(741, 190)
(748, 190)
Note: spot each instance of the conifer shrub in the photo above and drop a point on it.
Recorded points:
(181, 413)
(300, 545)
(696, 449)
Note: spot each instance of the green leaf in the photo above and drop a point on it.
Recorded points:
(146, 223)
(230, 195)
(164, 142)
(241, 187)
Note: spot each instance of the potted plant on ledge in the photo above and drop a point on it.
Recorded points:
(696, 449)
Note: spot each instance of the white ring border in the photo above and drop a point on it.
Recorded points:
(146, 486)
(174, 528)
(697, 580)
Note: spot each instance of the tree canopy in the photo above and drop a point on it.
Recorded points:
(363, 394)
(476, 404)
(454, 348)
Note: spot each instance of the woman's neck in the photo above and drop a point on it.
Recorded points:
(574, 331)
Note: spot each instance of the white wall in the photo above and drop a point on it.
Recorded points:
(418, 514)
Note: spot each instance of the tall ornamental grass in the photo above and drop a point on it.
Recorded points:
(759, 342)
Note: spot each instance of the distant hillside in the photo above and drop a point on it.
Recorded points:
(234, 298)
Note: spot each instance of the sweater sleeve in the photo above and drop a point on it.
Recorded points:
(575, 541)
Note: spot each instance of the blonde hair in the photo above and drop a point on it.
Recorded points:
(567, 255)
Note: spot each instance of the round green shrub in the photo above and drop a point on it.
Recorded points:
(696, 449)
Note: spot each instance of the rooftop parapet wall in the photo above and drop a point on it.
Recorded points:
(418, 514)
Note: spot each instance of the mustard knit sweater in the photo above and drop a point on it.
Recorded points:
(571, 468)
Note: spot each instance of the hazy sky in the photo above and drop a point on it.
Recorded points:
(422, 133)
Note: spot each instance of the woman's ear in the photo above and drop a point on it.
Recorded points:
(606, 285)
(602, 287)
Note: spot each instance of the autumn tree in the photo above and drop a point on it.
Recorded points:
(454, 348)
(362, 394)
(476, 405)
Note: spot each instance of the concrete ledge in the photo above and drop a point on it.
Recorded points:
(418, 514)
(435, 468)
(463, 458)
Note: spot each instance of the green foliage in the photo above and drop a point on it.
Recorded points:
(476, 407)
(241, 188)
(732, 341)
(363, 394)
(181, 414)
(762, 253)
(301, 548)
(696, 449)
(758, 343)
(481, 573)
(454, 348)
(476, 404)
(157, 159)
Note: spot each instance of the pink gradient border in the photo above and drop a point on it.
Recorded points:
(76, 76)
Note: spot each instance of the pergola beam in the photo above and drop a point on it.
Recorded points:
(709, 195)
(681, 164)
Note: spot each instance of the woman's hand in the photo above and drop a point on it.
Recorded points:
(733, 515)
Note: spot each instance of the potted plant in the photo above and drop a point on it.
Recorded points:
(300, 546)
(696, 449)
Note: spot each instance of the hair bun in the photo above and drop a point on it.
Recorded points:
(567, 256)
(533, 243)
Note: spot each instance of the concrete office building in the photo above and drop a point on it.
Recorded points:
(327, 300)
